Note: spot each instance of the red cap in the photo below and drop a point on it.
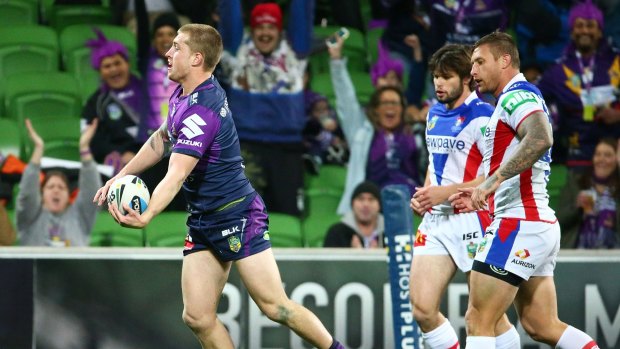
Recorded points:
(266, 13)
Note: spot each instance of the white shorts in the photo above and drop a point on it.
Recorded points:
(524, 248)
(456, 235)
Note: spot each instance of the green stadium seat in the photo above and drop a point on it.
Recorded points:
(76, 55)
(330, 177)
(363, 86)
(167, 229)
(354, 49)
(557, 182)
(28, 48)
(372, 43)
(285, 230)
(322, 83)
(10, 139)
(107, 232)
(62, 16)
(65, 149)
(18, 12)
(53, 94)
(321, 206)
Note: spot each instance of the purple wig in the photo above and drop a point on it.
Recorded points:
(101, 48)
(384, 65)
(586, 10)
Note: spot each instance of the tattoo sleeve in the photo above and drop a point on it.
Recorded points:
(159, 141)
(536, 138)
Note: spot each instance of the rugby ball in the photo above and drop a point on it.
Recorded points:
(130, 190)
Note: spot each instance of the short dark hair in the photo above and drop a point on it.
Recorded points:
(55, 173)
(452, 58)
(375, 102)
(500, 44)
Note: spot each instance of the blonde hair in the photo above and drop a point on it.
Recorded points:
(206, 40)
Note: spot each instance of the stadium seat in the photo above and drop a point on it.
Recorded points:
(372, 43)
(330, 177)
(62, 16)
(167, 229)
(363, 86)
(29, 48)
(52, 94)
(322, 83)
(10, 139)
(285, 230)
(557, 182)
(76, 55)
(18, 12)
(354, 47)
(321, 207)
(107, 232)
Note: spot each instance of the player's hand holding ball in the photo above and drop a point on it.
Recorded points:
(132, 192)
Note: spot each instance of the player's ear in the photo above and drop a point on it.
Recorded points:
(506, 61)
(197, 59)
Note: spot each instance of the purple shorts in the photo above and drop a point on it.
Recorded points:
(237, 231)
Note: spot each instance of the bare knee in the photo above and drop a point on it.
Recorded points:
(197, 322)
(542, 329)
(428, 318)
(479, 322)
(280, 312)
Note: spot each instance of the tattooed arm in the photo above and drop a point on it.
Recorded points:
(536, 138)
(151, 152)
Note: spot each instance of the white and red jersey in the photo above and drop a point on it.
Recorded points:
(454, 139)
(523, 196)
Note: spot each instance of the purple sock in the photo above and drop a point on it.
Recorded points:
(336, 345)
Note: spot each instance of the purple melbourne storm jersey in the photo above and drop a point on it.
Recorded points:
(455, 141)
(201, 125)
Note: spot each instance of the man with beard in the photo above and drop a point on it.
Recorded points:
(265, 71)
(363, 226)
(581, 86)
(448, 239)
(515, 261)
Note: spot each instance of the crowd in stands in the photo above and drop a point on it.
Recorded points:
(301, 105)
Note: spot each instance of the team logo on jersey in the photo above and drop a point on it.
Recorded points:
(458, 125)
(471, 249)
(420, 239)
(193, 99)
(266, 235)
(432, 122)
(224, 111)
(523, 254)
(483, 130)
(114, 111)
(515, 99)
(487, 237)
(192, 126)
(234, 244)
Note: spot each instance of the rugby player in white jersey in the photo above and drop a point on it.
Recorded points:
(516, 259)
(448, 239)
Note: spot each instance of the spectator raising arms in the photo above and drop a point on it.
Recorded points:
(266, 73)
(383, 149)
(44, 215)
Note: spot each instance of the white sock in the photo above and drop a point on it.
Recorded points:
(443, 337)
(478, 342)
(508, 340)
(573, 338)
